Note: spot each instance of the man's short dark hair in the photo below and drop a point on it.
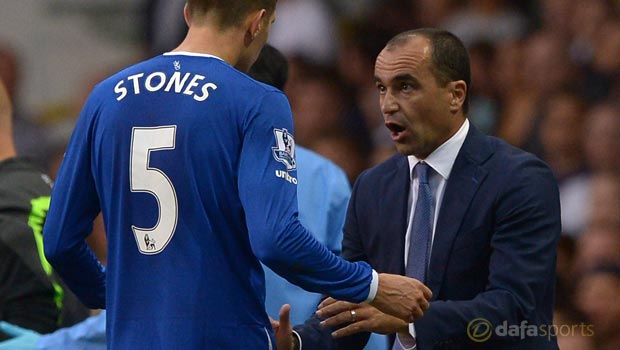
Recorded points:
(229, 12)
(449, 57)
(271, 67)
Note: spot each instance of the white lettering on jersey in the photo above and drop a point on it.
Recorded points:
(193, 84)
(136, 84)
(157, 80)
(177, 81)
(205, 92)
(286, 176)
(119, 89)
(149, 81)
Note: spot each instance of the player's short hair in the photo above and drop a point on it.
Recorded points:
(271, 67)
(228, 12)
(450, 59)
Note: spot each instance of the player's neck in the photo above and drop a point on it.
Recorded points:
(206, 40)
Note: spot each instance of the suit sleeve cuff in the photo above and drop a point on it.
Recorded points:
(374, 286)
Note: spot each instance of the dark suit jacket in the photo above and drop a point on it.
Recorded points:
(494, 249)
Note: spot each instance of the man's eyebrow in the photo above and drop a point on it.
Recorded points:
(399, 78)
(404, 76)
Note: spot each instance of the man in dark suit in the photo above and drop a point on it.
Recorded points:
(485, 238)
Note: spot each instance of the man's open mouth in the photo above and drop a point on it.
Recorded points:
(394, 128)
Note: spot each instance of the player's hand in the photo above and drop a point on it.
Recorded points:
(402, 297)
(358, 318)
(282, 329)
(23, 339)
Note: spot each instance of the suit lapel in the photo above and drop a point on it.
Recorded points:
(464, 181)
(394, 207)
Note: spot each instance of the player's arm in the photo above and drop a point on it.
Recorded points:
(74, 206)
(267, 188)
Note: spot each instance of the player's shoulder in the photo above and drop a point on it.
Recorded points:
(22, 177)
(255, 87)
(123, 73)
(107, 85)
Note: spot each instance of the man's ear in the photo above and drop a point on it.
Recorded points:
(255, 22)
(186, 14)
(458, 92)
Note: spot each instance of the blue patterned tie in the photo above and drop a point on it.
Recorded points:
(421, 231)
(421, 227)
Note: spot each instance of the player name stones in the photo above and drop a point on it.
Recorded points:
(179, 83)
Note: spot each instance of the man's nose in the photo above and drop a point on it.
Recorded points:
(388, 103)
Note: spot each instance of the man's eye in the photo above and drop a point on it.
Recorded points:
(406, 87)
(381, 88)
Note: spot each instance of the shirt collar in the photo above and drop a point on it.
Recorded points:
(442, 159)
(187, 53)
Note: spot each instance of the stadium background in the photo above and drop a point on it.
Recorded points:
(546, 78)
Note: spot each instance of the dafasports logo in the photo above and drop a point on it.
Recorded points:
(480, 330)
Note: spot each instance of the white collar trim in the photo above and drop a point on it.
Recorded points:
(195, 54)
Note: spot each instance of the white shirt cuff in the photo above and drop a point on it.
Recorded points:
(407, 342)
(298, 338)
(374, 286)
(412, 330)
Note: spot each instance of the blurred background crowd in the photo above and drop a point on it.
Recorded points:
(545, 78)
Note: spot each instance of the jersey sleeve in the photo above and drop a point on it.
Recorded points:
(268, 191)
(74, 205)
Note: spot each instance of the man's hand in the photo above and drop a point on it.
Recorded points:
(282, 329)
(23, 339)
(402, 297)
(359, 317)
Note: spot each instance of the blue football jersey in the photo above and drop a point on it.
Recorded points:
(192, 164)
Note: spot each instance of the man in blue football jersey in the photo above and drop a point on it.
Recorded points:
(187, 149)
(323, 194)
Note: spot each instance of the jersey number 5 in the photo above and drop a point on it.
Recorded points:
(144, 178)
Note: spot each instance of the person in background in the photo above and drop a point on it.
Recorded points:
(29, 134)
(31, 295)
(597, 298)
(86, 335)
